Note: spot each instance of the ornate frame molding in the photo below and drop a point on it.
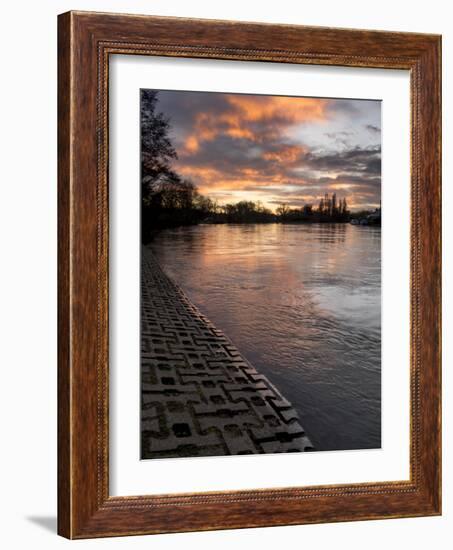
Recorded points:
(86, 40)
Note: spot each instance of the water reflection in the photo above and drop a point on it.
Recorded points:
(302, 303)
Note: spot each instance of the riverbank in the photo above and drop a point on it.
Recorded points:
(200, 396)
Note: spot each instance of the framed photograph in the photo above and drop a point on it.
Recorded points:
(249, 275)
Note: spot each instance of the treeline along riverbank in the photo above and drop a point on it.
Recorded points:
(177, 206)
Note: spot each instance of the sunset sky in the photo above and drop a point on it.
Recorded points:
(276, 149)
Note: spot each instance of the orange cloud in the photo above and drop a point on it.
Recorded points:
(191, 145)
(289, 153)
(290, 109)
(246, 110)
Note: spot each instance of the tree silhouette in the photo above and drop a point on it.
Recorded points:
(157, 148)
(167, 198)
(344, 209)
(283, 210)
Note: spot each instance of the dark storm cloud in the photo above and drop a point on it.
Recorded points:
(357, 159)
(183, 107)
(373, 129)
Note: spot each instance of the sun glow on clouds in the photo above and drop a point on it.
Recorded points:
(276, 149)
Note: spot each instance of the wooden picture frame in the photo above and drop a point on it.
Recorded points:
(85, 42)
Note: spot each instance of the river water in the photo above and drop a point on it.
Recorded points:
(303, 305)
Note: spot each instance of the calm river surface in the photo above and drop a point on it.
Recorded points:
(303, 305)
